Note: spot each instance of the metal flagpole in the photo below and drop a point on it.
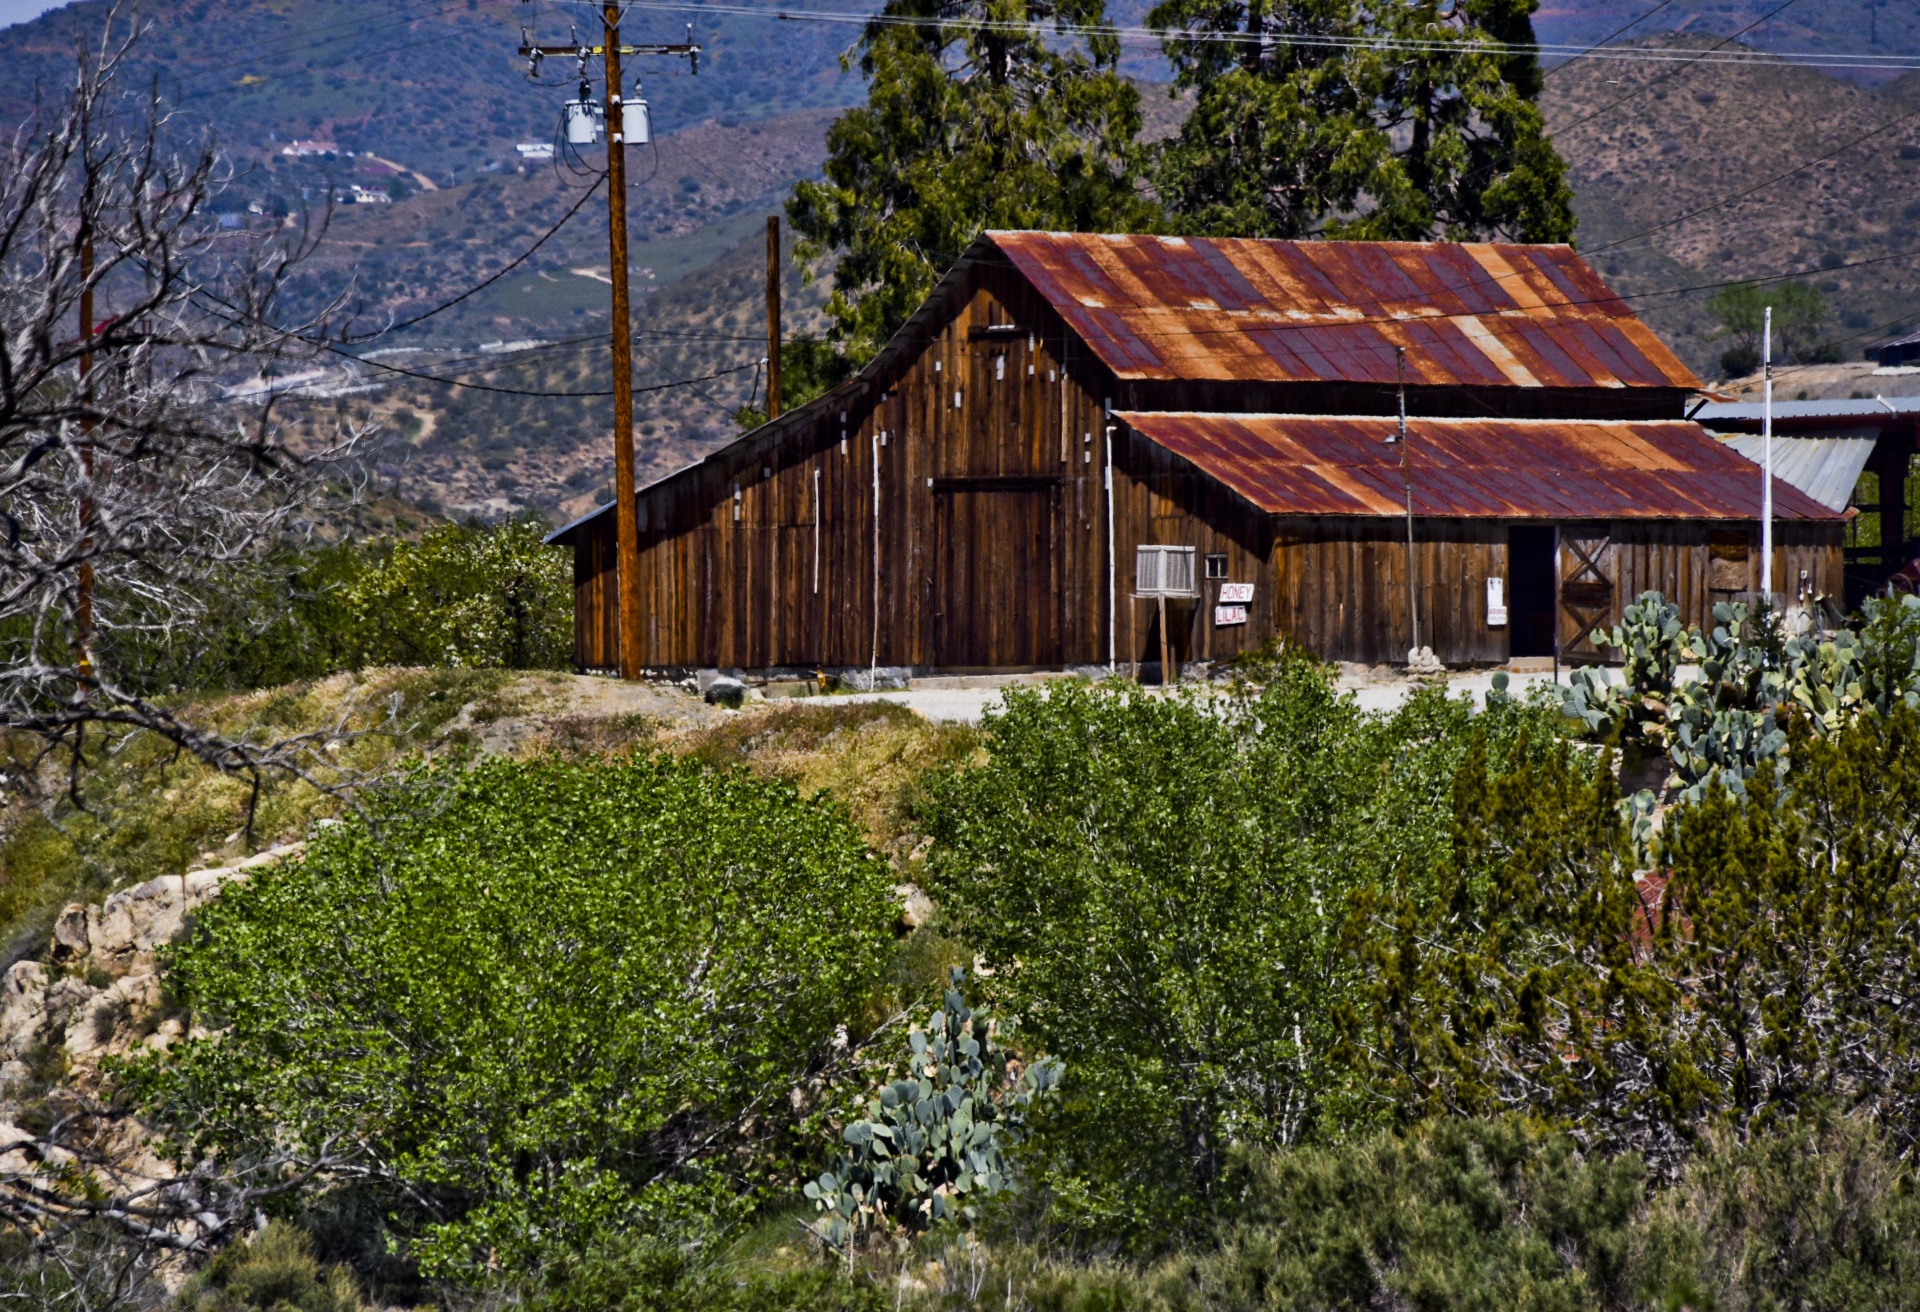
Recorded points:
(1766, 460)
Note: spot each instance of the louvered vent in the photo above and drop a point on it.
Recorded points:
(1164, 572)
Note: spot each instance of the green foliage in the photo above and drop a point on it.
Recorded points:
(1773, 963)
(1821, 1215)
(1721, 725)
(934, 1140)
(639, 1273)
(275, 1271)
(465, 596)
(1467, 1215)
(1800, 314)
(974, 119)
(460, 595)
(1159, 884)
(1890, 652)
(1293, 139)
(532, 1003)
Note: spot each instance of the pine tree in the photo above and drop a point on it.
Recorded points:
(978, 116)
(1301, 128)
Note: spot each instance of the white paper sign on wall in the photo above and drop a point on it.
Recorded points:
(1236, 592)
(1225, 615)
(1496, 603)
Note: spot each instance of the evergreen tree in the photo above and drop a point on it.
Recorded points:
(978, 116)
(1301, 128)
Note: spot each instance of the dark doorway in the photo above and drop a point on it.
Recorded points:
(1530, 599)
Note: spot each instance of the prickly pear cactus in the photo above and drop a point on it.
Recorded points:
(934, 1141)
(1653, 644)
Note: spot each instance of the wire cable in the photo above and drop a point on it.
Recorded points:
(1633, 54)
(481, 286)
(1656, 81)
(1610, 37)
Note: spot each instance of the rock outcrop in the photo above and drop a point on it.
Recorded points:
(99, 993)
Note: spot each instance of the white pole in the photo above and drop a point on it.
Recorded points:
(873, 670)
(1113, 601)
(1766, 459)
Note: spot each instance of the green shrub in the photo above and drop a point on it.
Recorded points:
(1772, 963)
(275, 1271)
(1160, 884)
(467, 596)
(640, 1274)
(1465, 1216)
(543, 1000)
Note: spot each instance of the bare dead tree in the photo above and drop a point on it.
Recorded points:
(132, 479)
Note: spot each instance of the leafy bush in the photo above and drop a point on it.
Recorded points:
(638, 1273)
(461, 595)
(466, 596)
(1501, 1216)
(531, 1003)
(274, 1271)
(934, 1140)
(1159, 884)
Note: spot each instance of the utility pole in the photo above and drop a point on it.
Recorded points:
(1406, 477)
(773, 316)
(625, 513)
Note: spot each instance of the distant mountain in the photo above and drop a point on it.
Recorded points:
(1691, 161)
(434, 85)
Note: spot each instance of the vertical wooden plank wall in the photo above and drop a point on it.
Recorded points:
(727, 548)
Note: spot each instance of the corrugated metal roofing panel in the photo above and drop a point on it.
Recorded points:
(1856, 408)
(1825, 468)
(1247, 309)
(1475, 468)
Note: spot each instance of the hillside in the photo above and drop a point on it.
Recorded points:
(1653, 161)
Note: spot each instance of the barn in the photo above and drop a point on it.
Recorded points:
(1089, 450)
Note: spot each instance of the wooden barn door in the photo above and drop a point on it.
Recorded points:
(1586, 587)
(996, 598)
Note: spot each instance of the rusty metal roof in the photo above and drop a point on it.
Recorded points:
(1247, 309)
(1476, 468)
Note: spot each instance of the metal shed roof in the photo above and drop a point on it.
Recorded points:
(1796, 415)
(1246, 309)
(1475, 468)
(1825, 468)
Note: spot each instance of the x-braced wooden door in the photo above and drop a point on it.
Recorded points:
(1586, 587)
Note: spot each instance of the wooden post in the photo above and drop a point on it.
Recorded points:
(625, 513)
(1167, 673)
(773, 316)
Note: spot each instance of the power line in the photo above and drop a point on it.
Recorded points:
(1711, 51)
(481, 286)
(1611, 37)
(1717, 54)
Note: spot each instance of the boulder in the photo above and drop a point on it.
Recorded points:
(70, 941)
(725, 691)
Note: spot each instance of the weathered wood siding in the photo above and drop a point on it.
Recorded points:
(987, 527)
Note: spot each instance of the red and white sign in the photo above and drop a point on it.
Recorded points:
(1236, 592)
(1226, 615)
